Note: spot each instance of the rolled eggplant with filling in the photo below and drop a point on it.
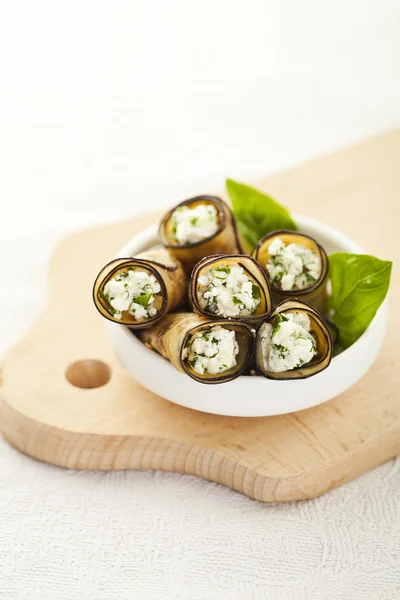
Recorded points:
(141, 290)
(199, 227)
(230, 286)
(208, 351)
(294, 342)
(296, 265)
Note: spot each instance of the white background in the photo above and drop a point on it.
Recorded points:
(108, 109)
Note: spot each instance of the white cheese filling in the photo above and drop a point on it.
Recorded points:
(292, 267)
(228, 292)
(190, 225)
(288, 342)
(212, 350)
(133, 291)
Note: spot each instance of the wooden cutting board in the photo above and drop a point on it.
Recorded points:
(120, 425)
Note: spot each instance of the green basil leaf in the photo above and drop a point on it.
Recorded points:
(256, 213)
(359, 285)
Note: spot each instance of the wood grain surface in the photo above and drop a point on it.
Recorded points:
(121, 425)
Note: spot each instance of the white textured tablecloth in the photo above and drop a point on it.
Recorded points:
(161, 536)
(109, 109)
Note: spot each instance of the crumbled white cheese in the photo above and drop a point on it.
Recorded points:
(292, 267)
(287, 343)
(133, 291)
(212, 350)
(190, 225)
(228, 292)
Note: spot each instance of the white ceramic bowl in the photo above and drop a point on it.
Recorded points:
(250, 396)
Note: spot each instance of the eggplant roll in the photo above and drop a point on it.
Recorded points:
(139, 291)
(296, 265)
(230, 286)
(208, 351)
(199, 227)
(294, 342)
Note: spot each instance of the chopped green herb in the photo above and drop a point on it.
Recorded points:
(194, 220)
(143, 299)
(221, 272)
(279, 318)
(277, 279)
(121, 276)
(236, 300)
(212, 356)
(256, 291)
(211, 307)
(300, 337)
(211, 214)
(105, 299)
(307, 276)
(282, 350)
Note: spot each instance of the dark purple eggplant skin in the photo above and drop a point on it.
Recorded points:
(325, 330)
(223, 209)
(265, 286)
(226, 240)
(324, 261)
(150, 267)
(245, 368)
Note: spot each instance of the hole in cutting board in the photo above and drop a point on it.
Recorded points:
(88, 373)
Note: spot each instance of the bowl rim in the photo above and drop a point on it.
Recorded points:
(144, 237)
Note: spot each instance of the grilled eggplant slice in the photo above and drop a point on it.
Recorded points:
(199, 227)
(293, 342)
(208, 351)
(230, 286)
(296, 266)
(139, 291)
